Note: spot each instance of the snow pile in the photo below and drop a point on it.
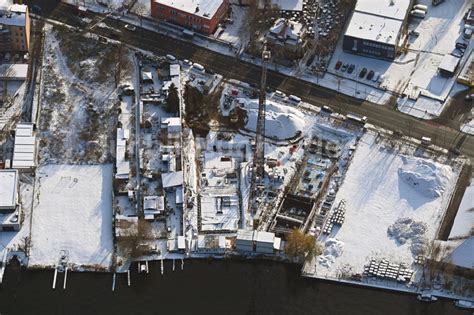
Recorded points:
(426, 177)
(332, 250)
(281, 122)
(407, 229)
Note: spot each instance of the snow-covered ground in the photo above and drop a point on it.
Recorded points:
(394, 206)
(281, 121)
(79, 98)
(73, 212)
(235, 33)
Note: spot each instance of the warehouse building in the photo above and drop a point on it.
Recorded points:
(200, 15)
(376, 27)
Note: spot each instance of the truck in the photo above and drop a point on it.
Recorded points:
(356, 118)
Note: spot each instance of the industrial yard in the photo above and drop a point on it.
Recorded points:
(126, 155)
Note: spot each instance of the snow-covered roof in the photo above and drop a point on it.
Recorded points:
(181, 242)
(154, 203)
(394, 9)
(463, 222)
(24, 148)
(16, 16)
(202, 8)
(286, 30)
(463, 255)
(449, 63)
(171, 121)
(374, 28)
(245, 235)
(172, 179)
(122, 165)
(289, 5)
(147, 76)
(18, 8)
(219, 211)
(264, 237)
(13, 71)
(8, 188)
(174, 69)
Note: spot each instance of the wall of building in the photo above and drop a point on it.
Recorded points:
(188, 20)
(368, 48)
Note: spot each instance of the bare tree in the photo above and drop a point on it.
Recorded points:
(140, 9)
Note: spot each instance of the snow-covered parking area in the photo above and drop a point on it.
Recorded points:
(73, 213)
(415, 73)
(394, 205)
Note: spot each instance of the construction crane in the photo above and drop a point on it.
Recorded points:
(259, 153)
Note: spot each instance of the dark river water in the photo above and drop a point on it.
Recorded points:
(203, 287)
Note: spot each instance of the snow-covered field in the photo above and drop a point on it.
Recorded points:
(394, 206)
(73, 212)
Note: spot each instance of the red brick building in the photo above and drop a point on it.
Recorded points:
(199, 15)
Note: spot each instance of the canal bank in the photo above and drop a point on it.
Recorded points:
(210, 286)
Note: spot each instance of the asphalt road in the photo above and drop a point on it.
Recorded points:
(442, 134)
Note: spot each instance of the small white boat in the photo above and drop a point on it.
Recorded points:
(464, 304)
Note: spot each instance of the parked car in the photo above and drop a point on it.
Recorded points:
(351, 68)
(130, 27)
(458, 53)
(376, 77)
(370, 75)
(414, 33)
(344, 67)
(338, 65)
(362, 73)
(461, 46)
(469, 97)
(326, 109)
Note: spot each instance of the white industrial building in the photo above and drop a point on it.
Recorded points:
(259, 242)
(9, 206)
(24, 151)
(122, 165)
(376, 27)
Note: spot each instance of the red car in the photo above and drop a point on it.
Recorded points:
(338, 65)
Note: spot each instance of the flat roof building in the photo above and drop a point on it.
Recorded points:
(8, 189)
(448, 65)
(199, 15)
(24, 150)
(9, 207)
(376, 27)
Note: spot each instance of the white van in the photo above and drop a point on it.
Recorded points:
(198, 67)
(294, 98)
(426, 140)
(280, 94)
